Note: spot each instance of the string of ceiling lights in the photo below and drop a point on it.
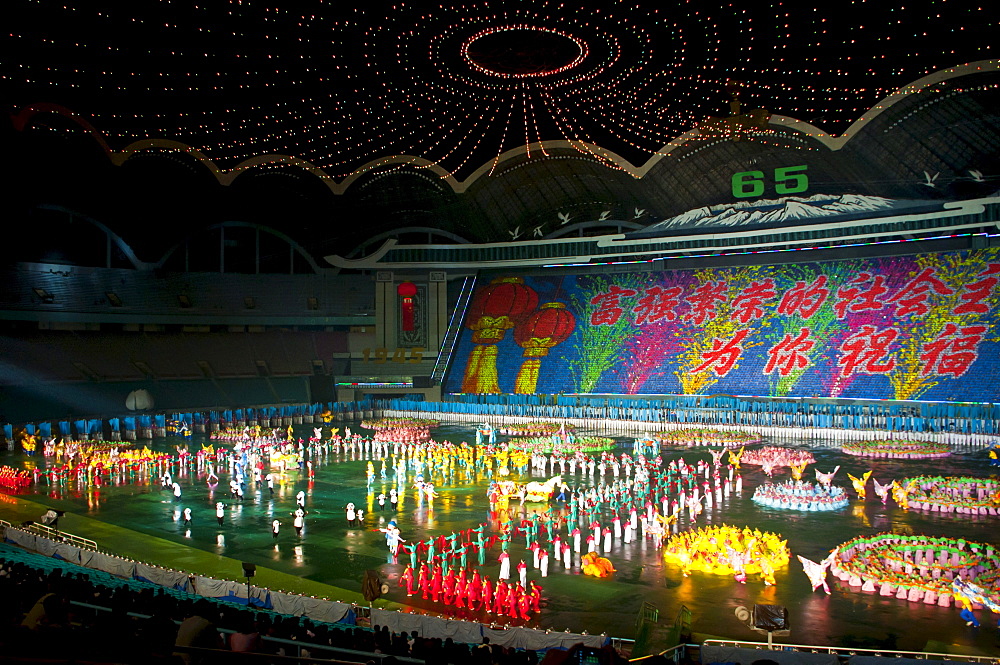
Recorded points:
(457, 85)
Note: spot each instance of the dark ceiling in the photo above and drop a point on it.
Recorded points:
(457, 84)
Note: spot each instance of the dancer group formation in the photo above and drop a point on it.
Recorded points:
(595, 501)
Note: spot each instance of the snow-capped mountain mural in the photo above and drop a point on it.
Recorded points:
(766, 212)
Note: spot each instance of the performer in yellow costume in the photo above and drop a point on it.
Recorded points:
(596, 566)
(859, 484)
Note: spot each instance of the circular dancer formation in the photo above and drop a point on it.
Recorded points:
(578, 444)
(537, 428)
(699, 436)
(728, 550)
(799, 495)
(775, 457)
(915, 568)
(401, 430)
(962, 495)
(896, 449)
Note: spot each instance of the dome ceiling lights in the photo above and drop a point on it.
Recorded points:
(523, 51)
(348, 89)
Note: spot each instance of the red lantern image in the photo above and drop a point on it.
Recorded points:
(494, 310)
(406, 291)
(552, 324)
(500, 306)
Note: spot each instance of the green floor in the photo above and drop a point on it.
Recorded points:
(141, 521)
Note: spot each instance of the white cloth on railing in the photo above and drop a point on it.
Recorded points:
(317, 609)
(261, 594)
(887, 660)
(46, 546)
(107, 563)
(529, 638)
(168, 578)
(428, 626)
(20, 537)
(68, 552)
(213, 588)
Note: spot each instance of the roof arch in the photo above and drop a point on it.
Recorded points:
(293, 245)
(598, 153)
(381, 237)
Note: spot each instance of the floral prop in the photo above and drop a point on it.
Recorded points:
(774, 457)
(546, 445)
(694, 436)
(798, 495)
(728, 550)
(915, 568)
(535, 428)
(896, 449)
(399, 423)
(960, 495)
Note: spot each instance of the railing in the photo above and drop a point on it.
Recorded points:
(60, 536)
(673, 654)
(454, 328)
(847, 652)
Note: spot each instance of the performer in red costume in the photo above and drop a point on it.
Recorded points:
(536, 597)
(460, 589)
(437, 584)
(524, 605)
(472, 590)
(407, 579)
(512, 601)
(500, 599)
(486, 593)
(423, 581)
(449, 587)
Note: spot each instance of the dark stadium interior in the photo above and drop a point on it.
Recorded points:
(317, 213)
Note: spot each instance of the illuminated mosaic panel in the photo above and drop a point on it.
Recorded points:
(913, 327)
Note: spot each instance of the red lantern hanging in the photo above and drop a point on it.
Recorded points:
(406, 292)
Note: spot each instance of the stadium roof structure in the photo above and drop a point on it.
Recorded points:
(484, 121)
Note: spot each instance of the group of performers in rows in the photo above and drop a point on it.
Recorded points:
(464, 589)
(12, 478)
(614, 500)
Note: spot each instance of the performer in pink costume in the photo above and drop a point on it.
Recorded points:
(882, 491)
(826, 479)
(816, 572)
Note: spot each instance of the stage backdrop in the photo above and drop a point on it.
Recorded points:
(914, 327)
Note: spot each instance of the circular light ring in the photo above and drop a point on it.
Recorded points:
(581, 46)
(340, 87)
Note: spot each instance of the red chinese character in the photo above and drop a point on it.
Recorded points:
(868, 299)
(790, 353)
(658, 303)
(977, 292)
(723, 355)
(912, 298)
(746, 304)
(703, 301)
(950, 354)
(608, 311)
(804, 300)
(864, 351)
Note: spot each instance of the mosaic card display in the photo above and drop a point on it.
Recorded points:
(905, 328)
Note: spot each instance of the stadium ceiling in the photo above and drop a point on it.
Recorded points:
(452, 86)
